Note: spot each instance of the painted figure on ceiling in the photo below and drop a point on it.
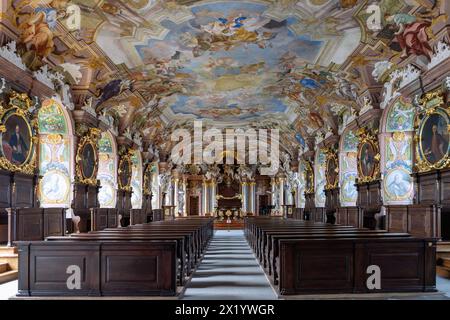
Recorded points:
(412, 35)
(37, 32)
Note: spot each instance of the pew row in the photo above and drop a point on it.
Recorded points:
(138, 260)
(303, 257)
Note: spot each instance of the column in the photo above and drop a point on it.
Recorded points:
(252, 196)
(281, 193)
(204, 198)
(175, 195)
(213, 199)
(184, 189)
(273, 184)
(244, 186)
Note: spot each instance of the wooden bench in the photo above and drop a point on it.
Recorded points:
(114, 261)
(302, 257)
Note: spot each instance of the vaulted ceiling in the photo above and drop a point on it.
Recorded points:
(156, 65)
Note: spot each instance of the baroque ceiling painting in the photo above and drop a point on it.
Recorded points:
(150, 66)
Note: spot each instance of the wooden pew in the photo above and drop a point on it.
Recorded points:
(116, 254)
(120, 268)
(289, 252)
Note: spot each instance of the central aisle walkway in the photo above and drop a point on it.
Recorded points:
(229, 271)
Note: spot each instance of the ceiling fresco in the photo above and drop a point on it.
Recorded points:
(226, 60)
(302, 66)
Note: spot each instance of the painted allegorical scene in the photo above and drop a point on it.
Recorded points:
(106, 172)
(320, 179)
(136, 181)
(54, 154)
(348, 169)
(398, 167)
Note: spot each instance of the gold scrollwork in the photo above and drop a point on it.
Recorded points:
(431, 101)
(332, 169)
(124, 171)
(89, 140)
(309, 178)
(368, 139)
(147, 190)
(18, 106)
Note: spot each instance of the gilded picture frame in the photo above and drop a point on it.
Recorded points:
(124, 172)
(432, 134)
(332, 170)
(309, 178)
(147, 189)
(368, 158)
(87, 158)
(18, 135)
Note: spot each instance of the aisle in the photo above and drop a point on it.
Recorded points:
(229, 271)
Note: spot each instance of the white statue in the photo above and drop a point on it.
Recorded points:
(180, 201)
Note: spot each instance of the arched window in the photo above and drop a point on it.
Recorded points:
(155, 186)
(348, 169)
(107, 171)
(136, 180)
(301, 185)
(319, 178)
(397, 143)
(55, 155)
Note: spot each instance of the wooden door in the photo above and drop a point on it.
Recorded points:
(194, 208)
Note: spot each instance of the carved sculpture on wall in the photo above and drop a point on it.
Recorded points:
(368, 156)
(432, 133)
(18, 134)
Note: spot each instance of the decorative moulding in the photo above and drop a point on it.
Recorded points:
(398, 79)
(44, 76)
(9, 52)
(367, 105)
(441, 52)
(88, 107)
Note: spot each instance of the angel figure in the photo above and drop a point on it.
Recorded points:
(37, 33)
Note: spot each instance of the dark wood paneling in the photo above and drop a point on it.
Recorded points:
(99, 219)
(108, 269)
(418, 220)
(54, 222)
(34, 224)
(308, 267)
(112, 218)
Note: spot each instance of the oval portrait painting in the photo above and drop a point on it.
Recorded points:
(434, 138)
(16, 140)
(367, 159)
(88, 161)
